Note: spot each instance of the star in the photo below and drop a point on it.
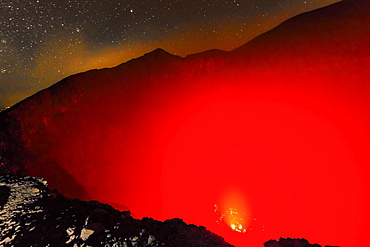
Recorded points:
(35, 33)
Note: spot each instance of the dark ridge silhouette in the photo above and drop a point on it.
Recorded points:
(332, 34)
(290, 242)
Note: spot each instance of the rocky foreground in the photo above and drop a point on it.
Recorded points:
(291, 242)
(33, 215)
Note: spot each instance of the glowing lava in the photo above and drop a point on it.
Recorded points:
(271, 159)
(233, 212)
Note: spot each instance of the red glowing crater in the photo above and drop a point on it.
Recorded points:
(253, 165)
(250, 160)
(292, 169)
(270, 140)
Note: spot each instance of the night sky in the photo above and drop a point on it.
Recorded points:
(43, 41)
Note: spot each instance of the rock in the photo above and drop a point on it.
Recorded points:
(33, 215)
(291, 242)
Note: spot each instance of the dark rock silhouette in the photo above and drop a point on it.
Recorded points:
(33, 215)
(291, 242)
(321, 36)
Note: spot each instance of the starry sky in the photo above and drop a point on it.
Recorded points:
(44, 41)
